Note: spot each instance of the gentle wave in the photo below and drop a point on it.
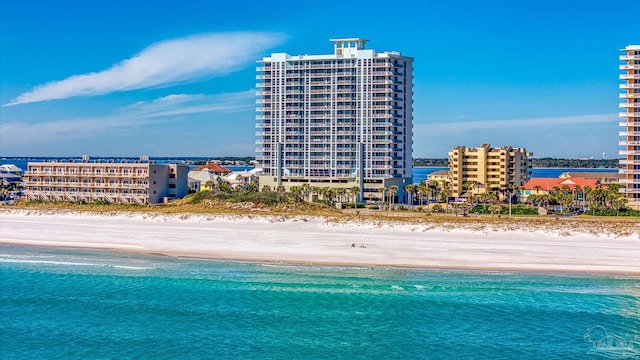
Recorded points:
(69, 263)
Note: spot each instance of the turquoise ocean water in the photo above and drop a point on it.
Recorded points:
(82, 304)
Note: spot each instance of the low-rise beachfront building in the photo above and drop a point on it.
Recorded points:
(126, 182)
(214, 168)
(11, 169)
(544, 186)
(340, 120)
(202, 180)
(603, 177)
(440, 176)
(487, 169)
(205, 179)
(205, 176)
(9, 180)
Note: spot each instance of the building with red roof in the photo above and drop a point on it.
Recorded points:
(214, 168)
(539, 186)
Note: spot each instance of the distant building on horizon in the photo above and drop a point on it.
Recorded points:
(487, 169)
(630, 132)
(127, 182)
(337, 120)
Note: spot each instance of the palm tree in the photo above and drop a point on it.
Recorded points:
(434, 186)
(421, 191)
(537, 188)
(618, 203)
(340, 193)
(330, 193)
(393, 189)
(599, 196)
(306, 190)
(613, 192)
(224, 186)
(577, 192)
(266, 188)
(355, 191)
(382, 190)
(252, 187)
(564, 199)
(587, 195)
(495, 209)
(315, 190)
(296, 191)
(509, 188)
(410, 189)
(446, 193)
(241, 179)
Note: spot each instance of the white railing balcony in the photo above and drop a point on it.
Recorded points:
(630, 95)
(629, 152)
(629, 181)
(629, 57)
(629, 67)
(630, 114)
(626, 162)
(629, 76)
(627, 123)
(630, 105)
(629, 191)
(629, 86)
(629, 133)
(629, 143)
(629, 171)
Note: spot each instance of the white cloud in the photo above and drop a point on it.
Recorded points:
(166, 109)
(162, 64)
(182, 104)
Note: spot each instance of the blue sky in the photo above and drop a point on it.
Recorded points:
(125, 78)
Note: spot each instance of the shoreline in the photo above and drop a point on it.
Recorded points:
(307, 240)
(243, 260)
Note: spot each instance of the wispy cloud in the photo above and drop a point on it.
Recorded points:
(183, 104)
(466, 126)
(169, 108)
(162, 64)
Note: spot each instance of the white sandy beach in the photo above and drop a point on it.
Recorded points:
(311, 240)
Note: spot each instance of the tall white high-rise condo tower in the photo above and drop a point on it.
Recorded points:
(630, 134)
(340, 120)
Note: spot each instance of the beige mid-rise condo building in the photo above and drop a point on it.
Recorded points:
(336, 120)
(126, 182)
(487, 169)
(630, 126)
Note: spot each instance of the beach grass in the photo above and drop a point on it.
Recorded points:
(616, 226)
